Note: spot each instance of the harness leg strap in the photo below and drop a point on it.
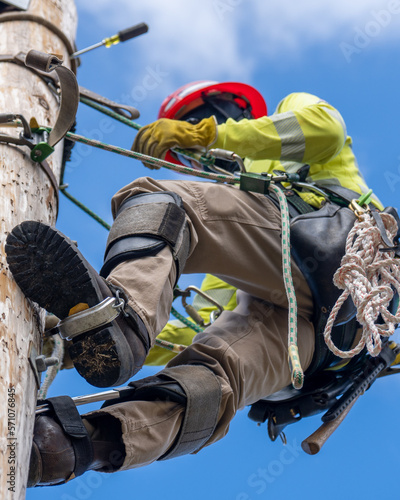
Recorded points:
(144, 225)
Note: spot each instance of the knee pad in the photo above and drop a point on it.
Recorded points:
(196, 388)
(144, 225)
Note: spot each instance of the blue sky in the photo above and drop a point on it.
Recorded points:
(346, 53)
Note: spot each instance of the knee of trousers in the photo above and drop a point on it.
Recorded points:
(193, 386)
(144, 225)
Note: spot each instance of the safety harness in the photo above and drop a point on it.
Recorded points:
(322, 235)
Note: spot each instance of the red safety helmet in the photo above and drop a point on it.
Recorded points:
(195, 94)
(197, 100)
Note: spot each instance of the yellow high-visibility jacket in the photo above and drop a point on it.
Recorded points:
(303, 130)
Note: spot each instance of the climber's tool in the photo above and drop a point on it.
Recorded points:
(121, 36)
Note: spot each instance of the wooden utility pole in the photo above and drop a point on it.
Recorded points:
(26, 193)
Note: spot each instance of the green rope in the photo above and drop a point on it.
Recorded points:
(151, 160)
(208, 161)
(85, 208)
(186, 321)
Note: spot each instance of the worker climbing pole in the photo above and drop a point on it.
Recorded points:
(29, 191)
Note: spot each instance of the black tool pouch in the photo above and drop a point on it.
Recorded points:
(318, 241)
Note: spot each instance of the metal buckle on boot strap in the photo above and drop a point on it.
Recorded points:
(91, 319)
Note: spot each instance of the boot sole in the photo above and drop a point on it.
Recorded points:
(52, 272)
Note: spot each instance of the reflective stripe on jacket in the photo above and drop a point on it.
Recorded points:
(303, 130)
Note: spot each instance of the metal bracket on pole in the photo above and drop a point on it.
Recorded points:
(33, 354)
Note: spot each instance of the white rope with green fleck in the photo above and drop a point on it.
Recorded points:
(297, 373)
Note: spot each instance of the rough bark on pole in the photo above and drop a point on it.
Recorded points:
(26, 193)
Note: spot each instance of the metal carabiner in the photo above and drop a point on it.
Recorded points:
(223, 154)
(193, 313)
(358, 210)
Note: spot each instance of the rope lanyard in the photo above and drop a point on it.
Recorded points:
(369, 276)
(297, 373)
(131, 154)
(229, 179)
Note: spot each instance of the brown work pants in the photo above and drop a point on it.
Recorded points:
(236, 236)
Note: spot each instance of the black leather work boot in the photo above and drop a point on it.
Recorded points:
(56, 459)
(50, 270)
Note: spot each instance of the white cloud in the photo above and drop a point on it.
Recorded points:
(295, 25)
(226, 39)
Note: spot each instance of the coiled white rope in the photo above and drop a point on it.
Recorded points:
(371, 278)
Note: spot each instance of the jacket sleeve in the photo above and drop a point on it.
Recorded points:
(304, 129)
(177, 333)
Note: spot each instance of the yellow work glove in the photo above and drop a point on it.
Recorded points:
(160, 136)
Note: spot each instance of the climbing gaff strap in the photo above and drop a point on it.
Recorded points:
(68, 417)
(194, 387)
(203, 399)
(68, 105)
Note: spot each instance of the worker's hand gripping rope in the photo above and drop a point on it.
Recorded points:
(370, 277)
